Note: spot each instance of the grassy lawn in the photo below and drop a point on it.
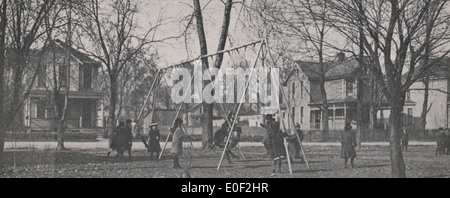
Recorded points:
(324, 161)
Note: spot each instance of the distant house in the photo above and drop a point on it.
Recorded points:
(305, 97)
(438, 101)
(84, 96)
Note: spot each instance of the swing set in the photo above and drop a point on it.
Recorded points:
(160, 75)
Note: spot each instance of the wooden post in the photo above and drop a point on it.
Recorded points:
(286, 144)
(301, 147)
(176, 116)
(289, 112)
(149, 94)
(170, 132)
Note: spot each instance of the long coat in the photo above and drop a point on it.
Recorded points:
(275, 140)
(153, 140)
(177, 141)
(122, 139)
(294, 144)
(348, 142)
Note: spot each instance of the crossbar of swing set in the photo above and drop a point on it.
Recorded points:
(162, 70)
(211, 55)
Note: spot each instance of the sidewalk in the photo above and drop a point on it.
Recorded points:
(103, 144)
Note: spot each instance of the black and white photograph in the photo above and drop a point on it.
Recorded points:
(224, 89)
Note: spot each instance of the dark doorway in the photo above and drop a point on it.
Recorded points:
(86, 114)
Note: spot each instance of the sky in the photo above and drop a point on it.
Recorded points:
(175, 15)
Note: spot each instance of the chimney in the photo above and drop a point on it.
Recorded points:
(341, 56)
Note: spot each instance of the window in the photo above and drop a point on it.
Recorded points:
(339, 114)
(42, 76)
(280, 95)
(63, 75)
(350, 86)
(315, 119)
(40, 110)
(293, 113)
(408, 95)
(87, 77)
(293, 90)
(50, 113)
(302, 114)
(410, 118)
(302, 88)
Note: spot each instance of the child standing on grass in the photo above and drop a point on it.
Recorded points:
(177, 142)
(405, 139)
(275, 140)
(153, 140)
(348, 142)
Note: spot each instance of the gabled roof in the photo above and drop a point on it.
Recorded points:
(439, 71)
(80, 56)
(332, 70)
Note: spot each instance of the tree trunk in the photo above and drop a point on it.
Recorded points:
(3, 21)
(60, 128)
(423, 115)
(396, 155)
(359, 112)
(112, 106)
(373, 119)
(325, 107)
(62, 120)
(360, 85)
(207, 128)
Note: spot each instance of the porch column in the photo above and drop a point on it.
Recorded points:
(345, 114)
(334, 117)
(28, 112)
(81, 115)
(102, 113)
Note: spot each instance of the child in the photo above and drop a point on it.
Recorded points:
(348, 142)
(294, 144)
(405, 139)
(275, 140)
(177, 142)
(153, 140)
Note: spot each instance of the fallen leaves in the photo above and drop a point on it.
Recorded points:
(325, 162)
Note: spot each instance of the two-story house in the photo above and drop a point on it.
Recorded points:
(305, 97)
(438, 107)
(302, 87)
(84, 97)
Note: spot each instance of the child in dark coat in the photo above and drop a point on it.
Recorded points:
(153, 140)
(275, 141)
(348, 142)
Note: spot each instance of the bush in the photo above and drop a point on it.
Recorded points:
(51, 136)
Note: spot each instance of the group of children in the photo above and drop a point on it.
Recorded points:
(273, 142)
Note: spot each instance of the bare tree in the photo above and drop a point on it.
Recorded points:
(24, 28)
(59, 23)
(306, 24)
(399, 32)
(3, 24)
(208, 108)
(116, 40)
